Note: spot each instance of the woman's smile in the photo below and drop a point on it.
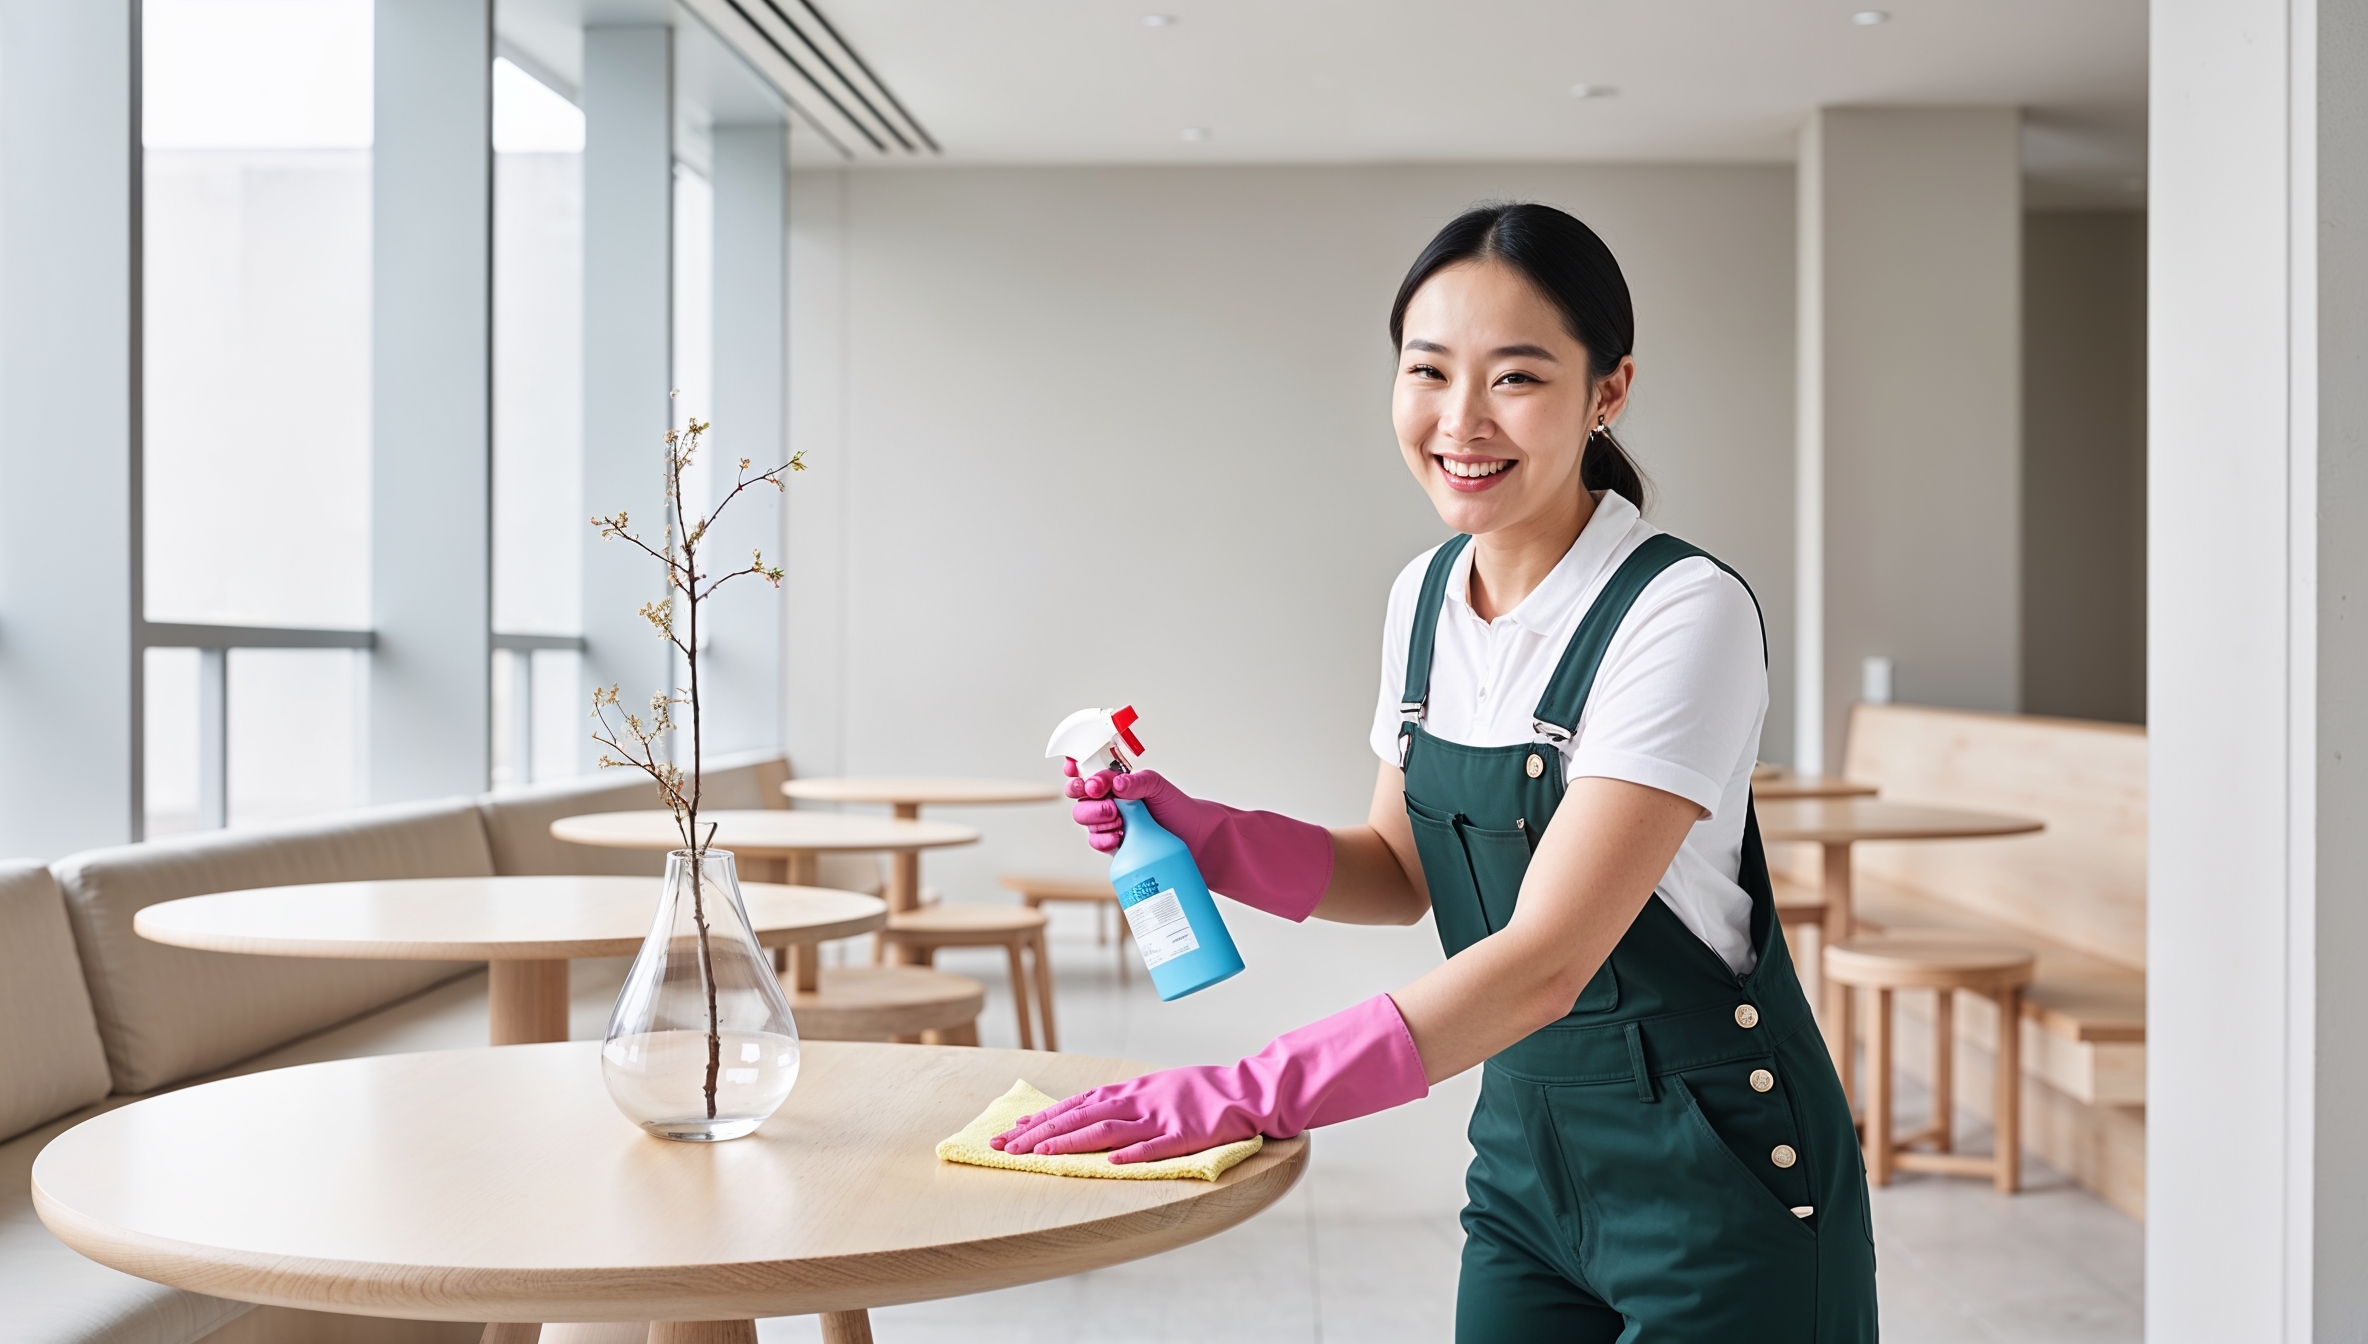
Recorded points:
(1471, 472)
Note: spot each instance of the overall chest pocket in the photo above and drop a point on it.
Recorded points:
(1455, 896)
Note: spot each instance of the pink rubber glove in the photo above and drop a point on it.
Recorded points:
(1262, 859)
(1350, 1064)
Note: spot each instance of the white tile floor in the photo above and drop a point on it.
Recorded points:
(1365, 1248)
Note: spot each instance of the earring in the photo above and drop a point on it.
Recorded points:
(1598, 426)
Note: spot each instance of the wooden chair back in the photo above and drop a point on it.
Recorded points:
(2081, 882)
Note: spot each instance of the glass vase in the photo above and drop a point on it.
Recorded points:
(701, 1045)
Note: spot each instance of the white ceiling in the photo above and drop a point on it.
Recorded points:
(1334, 81)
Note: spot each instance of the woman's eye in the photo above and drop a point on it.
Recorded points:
(1424, 371)
(1516, 378)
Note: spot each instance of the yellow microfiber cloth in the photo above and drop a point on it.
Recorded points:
(1023, 1099)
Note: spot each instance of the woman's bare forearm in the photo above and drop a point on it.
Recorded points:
(1608, 846)
(1376, 878)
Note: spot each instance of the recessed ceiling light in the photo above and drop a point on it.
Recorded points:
(1159, 20)
(1193, 133)
(1868, 18)
(1593, 91)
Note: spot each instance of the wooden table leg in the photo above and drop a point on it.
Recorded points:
(846, 1327)
(510, 1332)
(904, 881)
(806, 960)
(529, 1001)
(1019, 994)
(703, 1332)
(1044, 989)
(2006, 1094)
(1944, 1069)
(1839, 1036)
(904, 869)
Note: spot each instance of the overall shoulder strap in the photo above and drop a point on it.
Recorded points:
(1426, 630)
(1557, 716)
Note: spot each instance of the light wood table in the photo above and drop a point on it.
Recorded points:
(1837, 824)
(1771, 783)
(776, 833)
(502, 1186)
(907, 795)
(525, 928)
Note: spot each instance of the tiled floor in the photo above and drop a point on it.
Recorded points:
(1365, 1248)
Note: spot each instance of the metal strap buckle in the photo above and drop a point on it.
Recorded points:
(1411, 711)
(1552, 736)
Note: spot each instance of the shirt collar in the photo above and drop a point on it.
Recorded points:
(1548, 608)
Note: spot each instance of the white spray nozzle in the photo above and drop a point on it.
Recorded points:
(1091, 737)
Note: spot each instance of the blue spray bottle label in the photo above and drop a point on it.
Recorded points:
(1174, 920)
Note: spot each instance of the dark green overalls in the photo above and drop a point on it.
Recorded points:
(1672, 1163)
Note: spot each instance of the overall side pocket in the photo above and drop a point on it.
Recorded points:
(1750, 1129)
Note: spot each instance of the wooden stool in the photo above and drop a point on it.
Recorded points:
(919, 933)
(1943, 961)
(887, 1003)
(1094, 891)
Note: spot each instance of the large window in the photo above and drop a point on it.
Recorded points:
(257, 395)
(538, 430)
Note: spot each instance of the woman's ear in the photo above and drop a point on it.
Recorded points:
(1611, 393)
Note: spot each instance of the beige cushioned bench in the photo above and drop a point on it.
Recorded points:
(91, 1015)
(2075, 894)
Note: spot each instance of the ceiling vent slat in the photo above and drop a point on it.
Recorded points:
(825, 80)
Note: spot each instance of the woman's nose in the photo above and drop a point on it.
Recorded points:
(1465, 416)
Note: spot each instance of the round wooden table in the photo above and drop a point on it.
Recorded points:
(1779, 782)
(778, 833)
(907, 795)
(1836, 824)
(502, 1186)
(525, 928)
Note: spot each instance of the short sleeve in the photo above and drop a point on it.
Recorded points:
(1397, 626)
(1682, 690)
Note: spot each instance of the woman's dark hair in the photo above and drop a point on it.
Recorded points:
(1577, 274)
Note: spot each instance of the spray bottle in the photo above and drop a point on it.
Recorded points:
(1167, 905)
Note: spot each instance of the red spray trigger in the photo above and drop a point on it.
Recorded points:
(1123, 719)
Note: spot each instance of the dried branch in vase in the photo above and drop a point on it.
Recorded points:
(630, 740)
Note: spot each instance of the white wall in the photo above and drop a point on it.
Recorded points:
(1911, 399)
(1085, 436)
(2257, 1072)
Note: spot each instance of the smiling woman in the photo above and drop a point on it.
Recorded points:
(1662, 1147)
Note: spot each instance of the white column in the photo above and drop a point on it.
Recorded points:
(628, 101)
(431, 399)
(740, 672)
(70, 587)
(815, 608)
(2257, 1071)
(1910, 413)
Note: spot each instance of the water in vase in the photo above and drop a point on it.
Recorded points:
(660, 1078)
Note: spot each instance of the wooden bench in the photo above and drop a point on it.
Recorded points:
(2075, 894)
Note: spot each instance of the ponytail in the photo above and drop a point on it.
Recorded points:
(1605, 465)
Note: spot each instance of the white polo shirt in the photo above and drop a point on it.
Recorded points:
(1677, 704)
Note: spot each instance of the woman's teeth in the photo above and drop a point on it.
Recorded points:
(1470, 470)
